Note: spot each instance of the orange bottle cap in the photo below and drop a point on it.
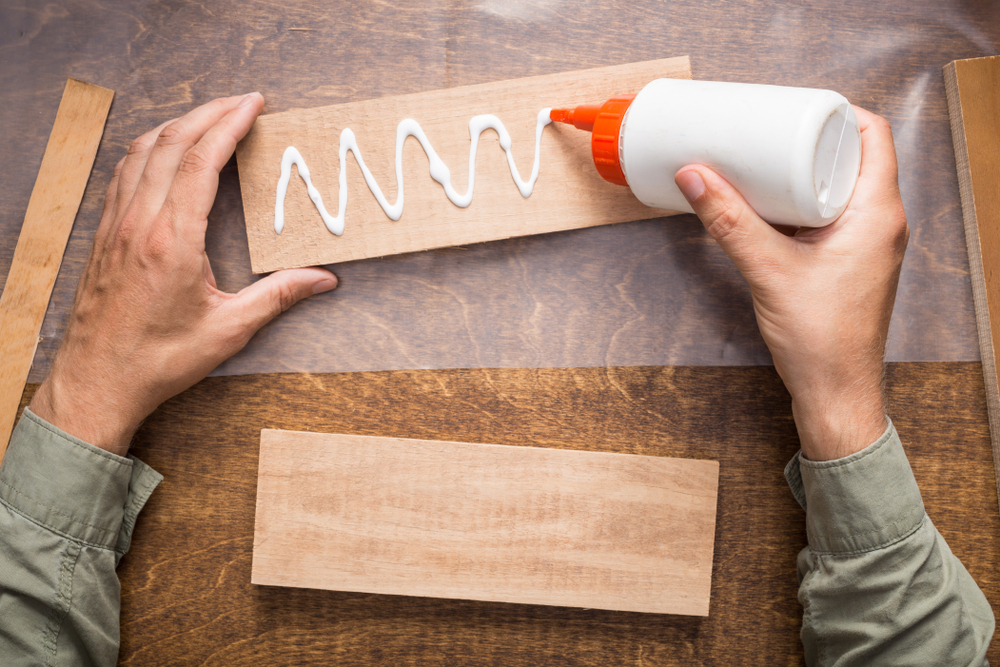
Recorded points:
(605, 122)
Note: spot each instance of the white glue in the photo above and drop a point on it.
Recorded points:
(438, 169)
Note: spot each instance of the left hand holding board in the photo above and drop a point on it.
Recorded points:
(149, 321)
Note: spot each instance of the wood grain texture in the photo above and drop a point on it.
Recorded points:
(569, 193)
(55, 199)
(496, 523)
(973, 89)
(186, 591)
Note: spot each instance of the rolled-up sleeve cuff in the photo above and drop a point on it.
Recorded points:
(862, 502)
(73, 488)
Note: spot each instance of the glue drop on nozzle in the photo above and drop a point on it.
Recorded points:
(794, 153)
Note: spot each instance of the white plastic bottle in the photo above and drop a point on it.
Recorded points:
(794, 153)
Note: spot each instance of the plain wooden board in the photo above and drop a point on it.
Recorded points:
(48, 221)
(485, 522)
(569, 194)
(973, 88)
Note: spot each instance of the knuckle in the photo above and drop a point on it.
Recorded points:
(232, 341)
(901, 233)
(141, 145)
(882, 123)
(117, 246)
(173, 134)
(725, 221)
(219, 104)
(284, 298)
(126, 227)
(881, 126)
(158, 244)
(195, 161)
(235, 336)
(893, 230)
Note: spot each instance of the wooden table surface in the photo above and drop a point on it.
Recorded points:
(186, 596)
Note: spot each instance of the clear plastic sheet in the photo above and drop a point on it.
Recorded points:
(654, 292)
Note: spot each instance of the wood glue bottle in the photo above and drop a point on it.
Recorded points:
(793, 153)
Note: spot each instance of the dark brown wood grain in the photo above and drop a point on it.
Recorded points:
(186, 592)
(617, 293)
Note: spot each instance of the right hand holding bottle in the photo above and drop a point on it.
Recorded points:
(823, 297)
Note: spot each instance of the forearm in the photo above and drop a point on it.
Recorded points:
(148, 322)
(878, 583)
(67, 510)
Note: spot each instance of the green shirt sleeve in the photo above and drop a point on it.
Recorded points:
(67, 510)
(877, 583)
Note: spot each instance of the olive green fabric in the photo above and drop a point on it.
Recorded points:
(67, 510)
(878, 583)
(879, 586)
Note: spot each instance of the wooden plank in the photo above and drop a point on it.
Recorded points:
(485, 522)
(55, 200)
(973, 88)
(569, 194)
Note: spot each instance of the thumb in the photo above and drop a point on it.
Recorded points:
(727, 216)
(257, 304)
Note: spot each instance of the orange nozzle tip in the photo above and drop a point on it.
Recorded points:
(581, 117)
(561, 115)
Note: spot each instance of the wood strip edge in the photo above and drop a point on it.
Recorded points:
(976, 267)
(15, 300)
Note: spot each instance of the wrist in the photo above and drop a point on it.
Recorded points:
(840, 425)
(97, 422)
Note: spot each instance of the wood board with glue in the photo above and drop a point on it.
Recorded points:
(485, 522)
(569, 193)
(973, 89)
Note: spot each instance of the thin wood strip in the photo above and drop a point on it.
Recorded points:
(973, 89)
(55, 200)
(569, 194)
(485, 522)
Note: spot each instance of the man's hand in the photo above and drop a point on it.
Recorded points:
(823, 297)
(149, 321)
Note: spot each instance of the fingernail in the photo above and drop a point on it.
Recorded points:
(324, 285)
(691, 184)
(247, 99)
